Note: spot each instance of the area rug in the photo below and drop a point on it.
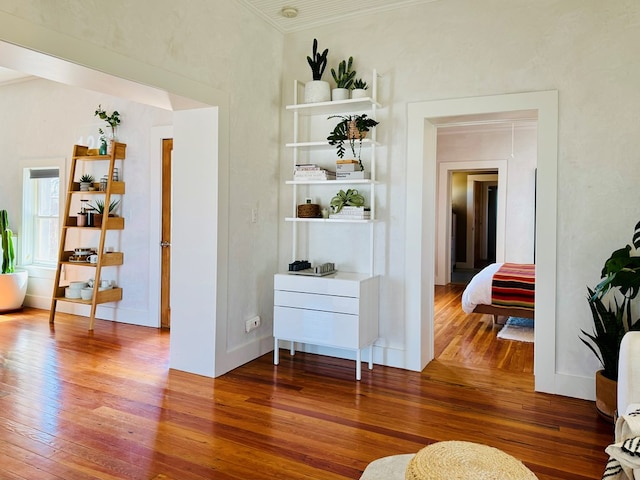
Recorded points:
(388, 468)
(518, 329)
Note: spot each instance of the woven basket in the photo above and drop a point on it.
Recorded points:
(455, 459)
(353, 132)
(309, 210)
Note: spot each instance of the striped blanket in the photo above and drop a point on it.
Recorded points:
(513, 285)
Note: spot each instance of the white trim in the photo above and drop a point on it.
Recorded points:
(443, 266)
(420, 222)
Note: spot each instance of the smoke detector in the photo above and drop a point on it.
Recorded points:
(289, 12)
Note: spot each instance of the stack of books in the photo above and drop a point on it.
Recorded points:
(352, 213)
(350, 170)
(312, 172)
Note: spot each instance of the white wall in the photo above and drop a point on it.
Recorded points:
(481, 144)
(219, 53)
(584, 49)
(462, 48)
(47, 119)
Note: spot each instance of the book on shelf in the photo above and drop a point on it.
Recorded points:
(311, 171)
(347, 167)
(342, 161)
(352, 213)
(357, 175)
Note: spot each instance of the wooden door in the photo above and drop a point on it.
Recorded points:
(165, 276)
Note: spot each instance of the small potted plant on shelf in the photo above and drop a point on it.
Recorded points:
(359, 88)
(317, 90)
(349, 198)
(351, 128)
(99, 208)
(344, 79)
(86, 181)
(113, 120)
(613, 319)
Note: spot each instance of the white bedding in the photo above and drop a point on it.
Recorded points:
(478, 292)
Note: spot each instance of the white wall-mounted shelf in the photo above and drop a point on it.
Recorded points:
(338, 310)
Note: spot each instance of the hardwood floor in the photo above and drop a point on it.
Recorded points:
(103, 405)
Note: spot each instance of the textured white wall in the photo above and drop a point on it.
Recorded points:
(495, 144)
(221, 46)
(463, 48)
(585, 49)
(47, 119)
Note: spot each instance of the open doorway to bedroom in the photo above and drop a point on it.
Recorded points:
(486, 193)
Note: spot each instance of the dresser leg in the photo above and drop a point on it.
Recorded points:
(358, 364)
(371, 357)
(276, 352)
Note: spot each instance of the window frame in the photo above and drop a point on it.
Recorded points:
(25, 242)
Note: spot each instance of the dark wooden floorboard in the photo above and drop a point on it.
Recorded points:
(84, 405)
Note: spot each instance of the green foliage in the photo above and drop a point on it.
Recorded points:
(342, 133)
(113, 120)
(360, 83)
(350, 197)
(318, 62)
(99, 205)
(620, 286)
(87, 178)
(8, 253)
(344, 77)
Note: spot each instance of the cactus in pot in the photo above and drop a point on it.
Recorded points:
(8, 253)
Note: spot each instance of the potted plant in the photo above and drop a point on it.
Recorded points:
(86, 181)
(359, 88)
(344, 79)
(13, 283)
(611, 303)
(99, 208)
(113, 120)
(317, 90)
(349, 198)
(351, 128)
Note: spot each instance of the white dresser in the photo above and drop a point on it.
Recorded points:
(339, 310)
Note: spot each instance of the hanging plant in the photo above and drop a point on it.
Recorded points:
(351, 128)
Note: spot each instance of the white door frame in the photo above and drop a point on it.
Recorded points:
(443, 247)
(421, 223)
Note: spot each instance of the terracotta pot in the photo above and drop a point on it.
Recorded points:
(606, 396)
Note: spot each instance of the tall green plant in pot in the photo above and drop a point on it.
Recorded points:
(8, 253)
(611, 305)
(13, 283)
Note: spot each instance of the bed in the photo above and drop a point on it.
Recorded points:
(502, 289)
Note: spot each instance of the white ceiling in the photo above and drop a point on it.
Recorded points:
(312, 13)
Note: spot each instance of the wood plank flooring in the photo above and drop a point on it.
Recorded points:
(103, 405)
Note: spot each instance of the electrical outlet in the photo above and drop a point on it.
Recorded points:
(252, 324)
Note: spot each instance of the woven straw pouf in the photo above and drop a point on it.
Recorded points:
(465, 460)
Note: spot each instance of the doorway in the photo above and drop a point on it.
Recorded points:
(423, 119)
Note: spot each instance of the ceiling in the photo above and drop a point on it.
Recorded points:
(312, 13)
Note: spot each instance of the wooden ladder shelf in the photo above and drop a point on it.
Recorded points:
(70, 223)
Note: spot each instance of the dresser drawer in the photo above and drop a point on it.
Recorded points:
(316, 327)
(311, 301)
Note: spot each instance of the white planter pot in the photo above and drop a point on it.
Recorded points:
(13, 288)
(340, 94)
(317, 91)
(358, 93)
(84, 186)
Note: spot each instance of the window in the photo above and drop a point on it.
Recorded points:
(40, 216)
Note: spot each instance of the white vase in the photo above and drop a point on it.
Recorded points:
(13, 289)
(317, 91)
(358, 93)
(340, 94)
